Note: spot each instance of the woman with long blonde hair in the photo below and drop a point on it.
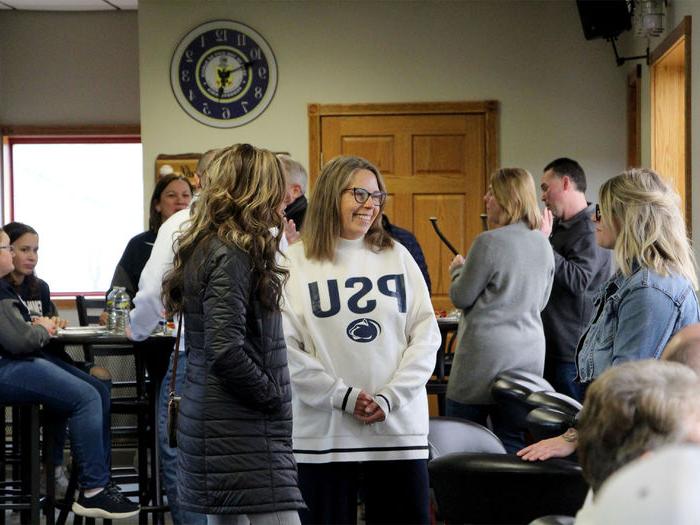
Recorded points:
(235, 460)
(501, 287)
(362, 339)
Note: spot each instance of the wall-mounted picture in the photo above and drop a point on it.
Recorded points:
(181, 163)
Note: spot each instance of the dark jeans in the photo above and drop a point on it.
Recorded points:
(393, 491)
(561, 375)
(67, 395)
(513, 439)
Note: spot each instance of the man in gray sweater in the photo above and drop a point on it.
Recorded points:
(581, 267)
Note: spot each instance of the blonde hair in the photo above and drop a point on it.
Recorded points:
(514, 190)
(646, 213)
(322, 225)
(238, 206)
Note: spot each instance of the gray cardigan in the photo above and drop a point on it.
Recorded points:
(502, 287)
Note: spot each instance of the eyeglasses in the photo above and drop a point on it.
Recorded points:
(596, 215)
(361, 195)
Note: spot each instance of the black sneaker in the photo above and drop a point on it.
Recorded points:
(109, 504)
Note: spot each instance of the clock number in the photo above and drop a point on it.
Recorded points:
(205, 109)
(262, 72)
(255, 53)
(191, 95)
(240, 39)
(202, 41)
(185, 75)
(188, 56)
(244, 106)
(258, 92)
(226, 113)
(221, 35)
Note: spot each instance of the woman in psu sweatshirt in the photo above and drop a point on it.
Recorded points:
(362, 340)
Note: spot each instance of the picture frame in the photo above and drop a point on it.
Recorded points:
(180, 164)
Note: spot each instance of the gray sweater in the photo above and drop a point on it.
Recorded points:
(502, 287)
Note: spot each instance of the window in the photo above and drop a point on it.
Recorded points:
(83, 195)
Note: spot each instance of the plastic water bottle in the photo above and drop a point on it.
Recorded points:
(118, 315)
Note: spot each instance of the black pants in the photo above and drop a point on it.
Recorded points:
(393, 492)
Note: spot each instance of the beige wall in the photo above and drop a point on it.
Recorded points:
(559, 94)
(68, 68)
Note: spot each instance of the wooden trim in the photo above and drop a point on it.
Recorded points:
(64, 304)
(315, 160)
(493, 159)
(682, 29)
(126, 129)
(634, 117)
(324, 110)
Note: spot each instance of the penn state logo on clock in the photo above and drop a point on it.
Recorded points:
(363, 330)
(223, 74)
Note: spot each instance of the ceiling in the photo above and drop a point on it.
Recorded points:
(69, 5)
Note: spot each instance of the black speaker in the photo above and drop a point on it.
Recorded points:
(604, 18)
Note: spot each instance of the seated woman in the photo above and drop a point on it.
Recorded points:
(171, 194)
(502, 287)
(68, 394)
(650, 297)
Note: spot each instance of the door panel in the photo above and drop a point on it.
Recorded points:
(435, 160)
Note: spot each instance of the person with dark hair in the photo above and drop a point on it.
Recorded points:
(362, 340)
(235, 459)
(69, 395)
(171, 194)
(410, 242)
(581, 267)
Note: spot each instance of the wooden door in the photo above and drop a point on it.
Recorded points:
(435, 158)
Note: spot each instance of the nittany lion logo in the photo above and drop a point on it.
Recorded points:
(363, 330)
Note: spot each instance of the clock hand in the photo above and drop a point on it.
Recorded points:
(243, 66)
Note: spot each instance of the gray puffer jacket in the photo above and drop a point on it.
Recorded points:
(235, 423)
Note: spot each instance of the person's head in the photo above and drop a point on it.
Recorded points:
(296, 177)
(684, 347)
(641, 220)
(6, 264)
(635, 408)
(563, 184)
(25, 246)
(239, 206)
(511, 198)
(346, 202)
(203, 163)
(171, 194)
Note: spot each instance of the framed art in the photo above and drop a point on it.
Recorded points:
(181, 163)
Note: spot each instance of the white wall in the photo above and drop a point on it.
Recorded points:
(559, 94)
(68, 68)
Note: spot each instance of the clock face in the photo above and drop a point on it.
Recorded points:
(223, 74)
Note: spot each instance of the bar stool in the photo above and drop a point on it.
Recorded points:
(24, 453)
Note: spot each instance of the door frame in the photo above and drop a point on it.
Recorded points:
(489, 108)
(682, 31)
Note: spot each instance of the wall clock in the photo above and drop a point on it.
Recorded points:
(223, 74)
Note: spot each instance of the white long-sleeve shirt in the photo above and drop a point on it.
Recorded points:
(363, 322)
(148, 305)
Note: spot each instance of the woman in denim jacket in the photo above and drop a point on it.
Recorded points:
(650, 297)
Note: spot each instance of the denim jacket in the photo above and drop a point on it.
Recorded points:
(635, 317)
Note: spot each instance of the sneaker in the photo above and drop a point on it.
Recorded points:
(109, 504)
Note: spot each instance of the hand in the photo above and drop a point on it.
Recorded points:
(60, 323)
(547, 221)
(290, 231)
(556, 447)
(366, 410)
(456, 262)
(103, 319)
(47, 323)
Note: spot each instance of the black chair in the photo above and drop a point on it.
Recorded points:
(545, 423)
(30, 440)
(554, 520)
(448, 435)
(555, 401)
(511, 389)
(437, 385)
(502, 488)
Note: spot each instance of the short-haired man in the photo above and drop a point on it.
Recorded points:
(581, 267)
(297, 179)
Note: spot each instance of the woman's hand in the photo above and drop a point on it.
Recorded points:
(60, 323)
(556, 447)
(456, 262)
(290, 231)
(367, 411)
(47, 323)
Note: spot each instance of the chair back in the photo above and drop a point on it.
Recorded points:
(448, 435)
(89, 309)
(510, 389)
(545, 423)
(555, 401)
(502, 488)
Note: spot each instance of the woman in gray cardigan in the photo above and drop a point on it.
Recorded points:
(502, 287)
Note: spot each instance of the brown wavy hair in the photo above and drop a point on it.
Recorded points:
(238, 206)
(322, 224)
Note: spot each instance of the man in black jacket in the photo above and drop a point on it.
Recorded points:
(581, 267)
